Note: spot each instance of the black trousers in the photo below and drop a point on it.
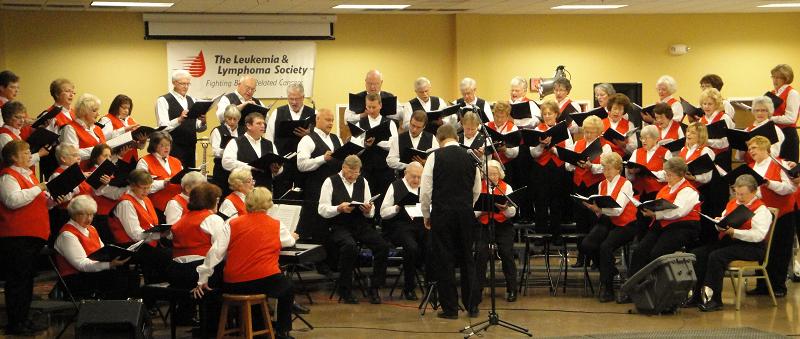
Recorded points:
(521, 172)
(713, 259)
(18, 256)
(603, 240)
(714, 196)
(584, 218)
(379, 180)
(411, 236)
(780, 254)
(452, 241)
(663, 240)
(789, 147)
(344, 238)
(184, 153)
(154, 262)
(108, 284)
(551, 194)
(184, 275)
(504, 233)
(275, 286)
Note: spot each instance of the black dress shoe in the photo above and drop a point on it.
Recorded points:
(780, 294)
(758, 291)
(710, 306)
(474, 312)
(410, 294)
(606, 295)
(511, 296)
(374, 296)
(300, 309)
(693, 301)
(624, 298)
(579, 263)
(447, 315)
(348, 298)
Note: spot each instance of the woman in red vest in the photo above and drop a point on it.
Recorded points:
(504, 235)
(242, 183)
(785, 115)
(15, 116)
(711, 103)
(107, 195)
(251, 247)
(777, 192)
(561, 89)
(67, 155)
(617, 104)
(82, 131)
(616, 226)
(745, 242)
(177, 206)
(666, 86)
(503, 124)
(713, 190)
(763, 108)
(118, 121)
(24, 229)
(550, 195)
(652, 156)
(162, 167)
(669, 129)
(601, 93)
(76, 241)
(670, 230)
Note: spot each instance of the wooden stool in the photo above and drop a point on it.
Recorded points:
(245, 321)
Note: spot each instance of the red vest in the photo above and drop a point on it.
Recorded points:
(89, 243)
(132, 155)
(147, 218)
(694, 156)
(628, 211)
(11, 134)
(664, 193)
(732, 205)
(671, 101)
(546, 155)
(585, 175)
(61, 119)
(623, 126)
(163, 196)
(241, 208)
(784, 203)
(499, 216)
(86, 140)
(717, 116)
(647, 183)
(564, 106)
(506, 128)
(781, 110)
(254, 248)
(672, 132)
(182, 202)
(187, 236)
(30, 220)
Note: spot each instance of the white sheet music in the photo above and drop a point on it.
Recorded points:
(414, 211)
(120, 140)
(287, 214)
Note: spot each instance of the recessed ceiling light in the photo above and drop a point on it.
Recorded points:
(781, 5)
(130, 4)
(588, 7)
(370, 6)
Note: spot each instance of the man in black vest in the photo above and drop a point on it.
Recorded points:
(415, 137)
(295, 110)
(471, 102)
(375, 169)
(171, 111)
(426, 102)
(402, 228)
(250, 147)
(245, 89)
(350, 223)
(373, 82)
(450, 187)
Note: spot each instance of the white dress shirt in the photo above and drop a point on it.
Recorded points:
(388, 208)
(164, 162)
(728, 108)
(783, 187)
(622, 198)
(216, 140)
(536, 114)
(227, 207)
(5, 138)
(759, 224)
(373, 122)
(451, 119)
(223, 103)
(677, 108)
(686, 200)
(174, 211)
(649, 155)
(230, 160)
(68, 245)
(327, 211)
(393, 159)
(720, 143)
(792, 105)
(108, 127)
(212, 225)
(12, 196)
(126, 214)
(162, 112)
(666, 130)
(306, 146)
(68, 135)
(426, 184)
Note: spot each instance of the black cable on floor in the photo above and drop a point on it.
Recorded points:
(558, 310)
(384, 329)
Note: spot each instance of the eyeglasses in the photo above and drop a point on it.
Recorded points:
(184, 84)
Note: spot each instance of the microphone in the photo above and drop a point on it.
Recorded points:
(292, 189)
(313, 104)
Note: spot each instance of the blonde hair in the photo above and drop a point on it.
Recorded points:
(593, 122)
(496, 165)
(86, 103)
(759, 142)
(470, 118)
(238, 177)
(784, 71)
(612, 160)
(502, 106)
(259, 199)
(352, 161)
(551, 105)
(701, 130)
(714, 95)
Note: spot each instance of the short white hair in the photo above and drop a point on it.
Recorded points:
(232, 112)
(414, 164)
(86, 102)
(192, 180)
(63, 148)
(496, 164)
(374, 72)
(651, 131)
(180, 74)
(672, 85)
(468, 83)
(297, 86)
(764, 101)
(81, 204)
(420, 82)
(519, 81)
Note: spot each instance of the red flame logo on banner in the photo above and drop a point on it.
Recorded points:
(195, 65)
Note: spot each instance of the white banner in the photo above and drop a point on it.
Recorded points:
(216, 66)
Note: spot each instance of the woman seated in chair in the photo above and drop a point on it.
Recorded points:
(743, 243)
(176, 207)
(615, 227)
(251, 246)
(242, 183)
(77, 240)
(652, 156)
(162, 167)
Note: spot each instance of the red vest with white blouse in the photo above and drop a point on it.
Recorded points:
(664, 193)
(499, 217)
(717, 116)
(732, 205)
(781, 109)
(648, 183)
(506, 128)
(10, 133)
(694, 156)
(253, 249)
(181, 202)
(623, 126)
(187, 236)
(237, 202)
(86, 140)
(784, 203)
(564, 106)
(90, 244)
(131, 156)
(628, 211)
(585, 175)
(62, 119)
(30, 220)
(146, 215)
(672, 132)
(162, 197)
(548, 156)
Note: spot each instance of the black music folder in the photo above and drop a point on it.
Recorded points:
(408, 199)
(703, 164)
(611, 134)
(656, 205)
(42, 119)
(740, 215)
(349, 148)
(42, 138)
(444, 112)
(776, 100)
(160, 228)
(737, 138)
(590, 153)
(643, 170)
(66, 182)
(743, 169)
(144, 132)
(251, 108)
(674, 145)
(268, 159)
(602, 201)
(381, 132)
(361, 203)
(285, 129)
(579, 117)
(420, 153)
(717, 130)
(559, 132)
(110, 252)
(792, 173)
(199, 108)
(521, 110)
(691, 109)
(484, 200)
(511, 139)
(106, 168)
(176, 179)
(648, 110)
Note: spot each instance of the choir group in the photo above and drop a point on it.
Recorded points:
(659, 178)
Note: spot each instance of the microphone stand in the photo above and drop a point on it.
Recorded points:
(493, 317)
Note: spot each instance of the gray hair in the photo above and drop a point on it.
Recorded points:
(519, 81)
(296, 86)
(374, 72)
(414, 165)
(232, 112)
(676, 165)
(498, 167)
(192, 180)
(606, 87)
(86, 103)
(764, 101)
(672, 85)
(746, 180)
(468, 83)
(421, 82)
(650, 131)
(81, 204)
(180, 74)
(63, 148)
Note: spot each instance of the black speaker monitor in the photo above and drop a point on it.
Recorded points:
(112, 319)
(662, 285)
